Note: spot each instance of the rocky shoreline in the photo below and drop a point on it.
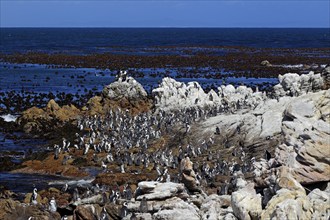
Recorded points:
(185, 153)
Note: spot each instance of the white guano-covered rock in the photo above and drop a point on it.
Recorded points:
(128, 88)
(174, 95)
(158, 191)
(293, 84)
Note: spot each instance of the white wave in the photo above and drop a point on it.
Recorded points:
(293, 66)
(9, 117)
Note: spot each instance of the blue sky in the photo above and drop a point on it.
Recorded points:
(155, 13)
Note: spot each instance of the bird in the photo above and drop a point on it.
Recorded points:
(52, 205)
(76, 194)
(187, 128)
(57, 151)
(268, 156)
(122, 168)
(124, 210)
(65, 187)
(113, 197)
(144, 205)
(104, 214)
(127, 192)
(217, 130)
(34, 197)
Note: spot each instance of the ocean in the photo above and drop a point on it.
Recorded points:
(103, 40)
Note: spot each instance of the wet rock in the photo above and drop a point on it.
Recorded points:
(246, 203)
(188, 175)
(114, 179)
(35, 120)
(50, 166)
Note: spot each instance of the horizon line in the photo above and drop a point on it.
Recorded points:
(158, 27)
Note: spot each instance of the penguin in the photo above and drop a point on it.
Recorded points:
(268, 156)
(144, 205)
(104, 214)
(217, 130)
(34, 197)
(52, 205)
(124, 210)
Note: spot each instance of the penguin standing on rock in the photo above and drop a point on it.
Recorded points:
(121, 76)
(217, 130)
(144, 205)
(52, 205)
(34, 197)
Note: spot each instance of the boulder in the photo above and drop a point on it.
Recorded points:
(320, 201)
(188, 175)
(166, 208)
(265, 63)
(290, 201)
(125, 94)
(128, 88)
(216, 207)
(86, 212)
(176, 208)
(246, 203)
(159, 191)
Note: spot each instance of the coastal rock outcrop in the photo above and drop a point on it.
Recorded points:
(127, 88)
(306, 132)
(292, 84)
(35, 120)
(297, 127)
(124, 94)
(174, 95)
